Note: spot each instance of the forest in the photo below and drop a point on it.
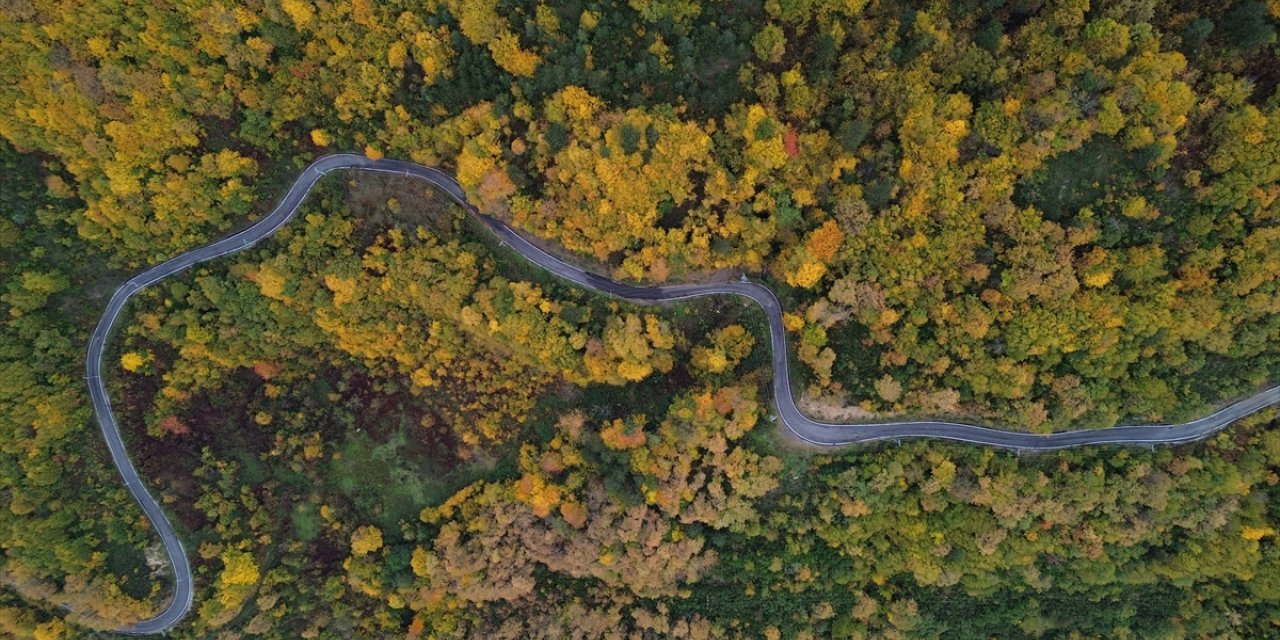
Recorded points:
(381, 423)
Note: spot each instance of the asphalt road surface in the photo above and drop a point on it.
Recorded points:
(802, 427)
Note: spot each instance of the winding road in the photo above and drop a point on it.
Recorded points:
(811, 431)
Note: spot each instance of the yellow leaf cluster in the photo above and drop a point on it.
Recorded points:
(132, 361)
(634, 371)
(366, 540)
(507, 53)
(270, 282)
(344, 289)
(1256, 533)
(421, 562)
(397, 53)
(51, 630)
(538, 494)
(807, 275)
(575, 103)
(825, 241)
(300, 11)
(1098, 278)
(238, 568)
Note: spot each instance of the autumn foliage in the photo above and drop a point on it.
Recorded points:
(380, 423)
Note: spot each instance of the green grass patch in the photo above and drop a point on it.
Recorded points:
(390, 480)
(1076, 179)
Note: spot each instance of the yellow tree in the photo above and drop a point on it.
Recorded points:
(366, 540)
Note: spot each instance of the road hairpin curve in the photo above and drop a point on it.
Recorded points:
(819, 433)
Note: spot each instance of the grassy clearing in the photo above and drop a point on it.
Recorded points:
(380, 202)
(1099, 169)
(387, 479)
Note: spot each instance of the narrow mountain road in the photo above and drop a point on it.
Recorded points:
(804, 428)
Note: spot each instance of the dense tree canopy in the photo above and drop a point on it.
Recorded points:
(382, 424)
